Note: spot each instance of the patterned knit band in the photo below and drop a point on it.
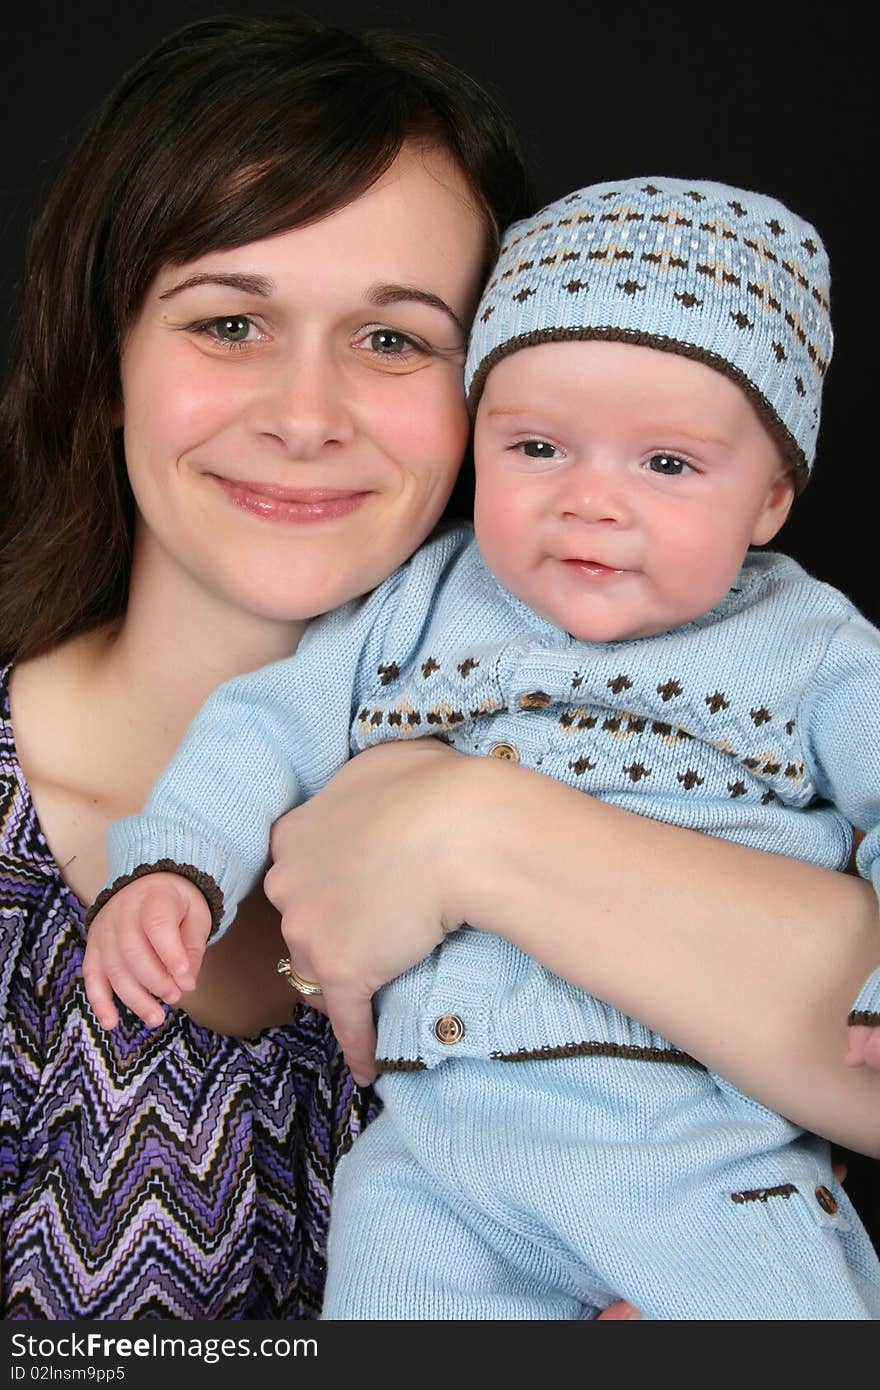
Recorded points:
(731, 278)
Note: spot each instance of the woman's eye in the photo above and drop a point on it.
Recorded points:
(668, 465)
(230, 330)
(539, 449)
(387, 342)
(234, 330)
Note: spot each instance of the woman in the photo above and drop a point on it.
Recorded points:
(301, 295)
(185, 1174)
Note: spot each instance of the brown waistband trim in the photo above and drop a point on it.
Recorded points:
(384, 1064)
(546, 1054)
(761, 1194)
(600, 1049)
(863, 1018)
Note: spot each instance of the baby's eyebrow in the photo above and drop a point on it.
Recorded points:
(248, 284)
(383, 295)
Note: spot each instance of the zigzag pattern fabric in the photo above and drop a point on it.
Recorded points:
(167, 1173)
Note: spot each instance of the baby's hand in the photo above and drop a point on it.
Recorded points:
(864, 1047)
(146, 944)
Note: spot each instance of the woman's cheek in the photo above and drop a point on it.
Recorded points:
(432, 425)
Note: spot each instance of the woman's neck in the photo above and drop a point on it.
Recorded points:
(97, 718)
(176, 643)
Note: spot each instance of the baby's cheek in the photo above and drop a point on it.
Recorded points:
(500, 523)
(701, 569)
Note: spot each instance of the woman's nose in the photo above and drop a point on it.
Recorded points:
(303, 404)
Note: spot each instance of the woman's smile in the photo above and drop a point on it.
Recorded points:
(275, 502)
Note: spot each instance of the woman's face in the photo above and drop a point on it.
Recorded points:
(293, 409)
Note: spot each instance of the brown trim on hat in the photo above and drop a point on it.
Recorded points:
(792, 453)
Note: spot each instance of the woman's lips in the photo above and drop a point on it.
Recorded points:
(274, 502)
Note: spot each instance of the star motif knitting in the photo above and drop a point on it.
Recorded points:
(669, 690)
(581, 765)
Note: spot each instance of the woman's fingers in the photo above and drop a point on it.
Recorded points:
(351, 1019)
(358, 879)
(301, 965)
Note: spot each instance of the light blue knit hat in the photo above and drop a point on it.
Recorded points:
(731, 278)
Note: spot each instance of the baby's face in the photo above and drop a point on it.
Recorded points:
(619, 487)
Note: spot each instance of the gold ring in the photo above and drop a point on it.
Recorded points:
(285, 967)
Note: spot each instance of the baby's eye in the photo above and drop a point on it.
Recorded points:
(668, 465)
(539, 449)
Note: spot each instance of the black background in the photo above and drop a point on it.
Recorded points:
(777, 98)
(774, 97)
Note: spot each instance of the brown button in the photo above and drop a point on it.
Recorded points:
(536, 699)
(449, 1029)
(505, 751)
(826, 1201)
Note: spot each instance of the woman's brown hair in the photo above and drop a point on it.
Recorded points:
(233, 129)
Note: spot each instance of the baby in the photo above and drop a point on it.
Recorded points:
(646, 369)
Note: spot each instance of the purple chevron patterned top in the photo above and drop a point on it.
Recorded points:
(169, 1173)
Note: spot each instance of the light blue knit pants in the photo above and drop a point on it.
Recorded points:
(529, 1190)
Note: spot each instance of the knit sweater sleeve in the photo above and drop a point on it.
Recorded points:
(259, 745)
(841, 719)
(266, 741)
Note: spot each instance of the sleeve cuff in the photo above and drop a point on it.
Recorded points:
(206, 885)
(866, 1009)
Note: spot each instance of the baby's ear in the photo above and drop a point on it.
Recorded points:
(777, 505)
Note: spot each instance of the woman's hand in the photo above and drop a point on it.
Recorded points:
(746, 960)
(362, 883)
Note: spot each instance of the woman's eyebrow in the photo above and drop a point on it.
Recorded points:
(383, 295)
(248, 284)
(380, 295)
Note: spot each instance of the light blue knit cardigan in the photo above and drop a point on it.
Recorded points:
(758, 723)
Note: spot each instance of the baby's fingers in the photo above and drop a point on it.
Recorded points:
(138, 961)
(98, 990)
(872, 1049)
(864, 1047)
(164, 921)
(194, 931)
(131, 992)
(107, 973)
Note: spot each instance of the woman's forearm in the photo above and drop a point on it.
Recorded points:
(746, 960)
